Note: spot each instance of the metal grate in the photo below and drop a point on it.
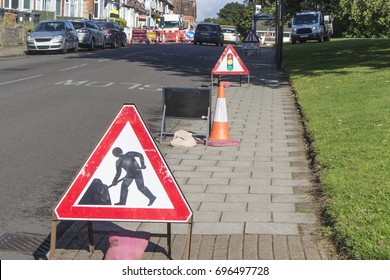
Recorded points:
(36, 245)
(304, 30)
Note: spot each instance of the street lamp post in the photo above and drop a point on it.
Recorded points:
(279, 34)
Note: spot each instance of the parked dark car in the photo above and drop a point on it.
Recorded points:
(206, 32)
(115, 36)
(89, 34)
(52, 35)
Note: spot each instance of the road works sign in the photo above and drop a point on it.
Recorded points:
(125, 179)
(251, 41)
(230, 64)
(251, 37)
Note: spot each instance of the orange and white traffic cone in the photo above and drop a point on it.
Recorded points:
(219, 135)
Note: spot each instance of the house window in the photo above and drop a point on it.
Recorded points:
(73, 8)
(26, 5)
(15, 4)
(66, 8)
(38, 5)
(58, 7)
(96, 8)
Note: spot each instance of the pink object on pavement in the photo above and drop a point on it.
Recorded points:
(226, 84)
(127, 244)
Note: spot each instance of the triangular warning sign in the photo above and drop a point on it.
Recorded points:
(251, 37)
(125, 179)
(230, 64)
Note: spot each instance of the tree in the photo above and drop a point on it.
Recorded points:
(236, 14)
(352, 18)
(365, 18)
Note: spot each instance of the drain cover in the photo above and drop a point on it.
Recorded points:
(37, 245)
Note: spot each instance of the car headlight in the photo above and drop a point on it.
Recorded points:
(57, 38)
(294, 30)
(30, 39)
(314, 28)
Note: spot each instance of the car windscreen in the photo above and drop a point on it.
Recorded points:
(229, 31)
(49, 26)
(103, 25)
(207, 27)
(305, 19)
(78, 25)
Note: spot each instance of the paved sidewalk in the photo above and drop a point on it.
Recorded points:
(13, 51)
(251, 201)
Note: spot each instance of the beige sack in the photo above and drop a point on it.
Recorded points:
(183, 138)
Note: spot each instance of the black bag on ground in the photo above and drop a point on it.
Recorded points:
(97, 194)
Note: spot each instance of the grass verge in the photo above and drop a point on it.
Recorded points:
(343, 88)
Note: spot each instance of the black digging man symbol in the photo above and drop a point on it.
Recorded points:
(128, 162)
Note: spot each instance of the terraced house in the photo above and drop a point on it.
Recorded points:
(137, 13)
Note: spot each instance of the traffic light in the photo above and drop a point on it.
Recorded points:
(229, 61)
(161, 23)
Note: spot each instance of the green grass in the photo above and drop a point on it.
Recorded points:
(343, 87)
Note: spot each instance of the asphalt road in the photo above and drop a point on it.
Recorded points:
(54, 109)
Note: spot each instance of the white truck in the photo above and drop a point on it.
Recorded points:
(310, 25)
(172, 28)
(173, 22)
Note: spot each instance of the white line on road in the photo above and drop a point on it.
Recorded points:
(103, 60)
(74, 67)
(19, 80)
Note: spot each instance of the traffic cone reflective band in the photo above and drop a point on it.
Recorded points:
(220, 129)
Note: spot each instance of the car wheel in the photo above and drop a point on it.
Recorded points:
(113, 45)
(76, 48)
(92, 45)
(124, 43)
(65, 49)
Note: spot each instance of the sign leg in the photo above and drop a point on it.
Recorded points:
(53, 237)
(189, 238)
(169, 240)
(90, 237)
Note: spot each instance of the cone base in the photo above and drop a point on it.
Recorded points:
(214, 143)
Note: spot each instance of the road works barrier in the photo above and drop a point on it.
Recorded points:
(219, 135)
(187, 103)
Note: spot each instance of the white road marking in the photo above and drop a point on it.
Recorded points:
(74, 67)
(22, 79)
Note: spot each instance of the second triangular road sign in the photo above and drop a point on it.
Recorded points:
(230, 64)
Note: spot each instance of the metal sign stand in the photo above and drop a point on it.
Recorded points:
(168, 235)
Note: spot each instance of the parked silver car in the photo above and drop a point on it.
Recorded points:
(52, 35)
(90, 35)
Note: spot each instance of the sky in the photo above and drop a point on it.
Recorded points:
(210, 8)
